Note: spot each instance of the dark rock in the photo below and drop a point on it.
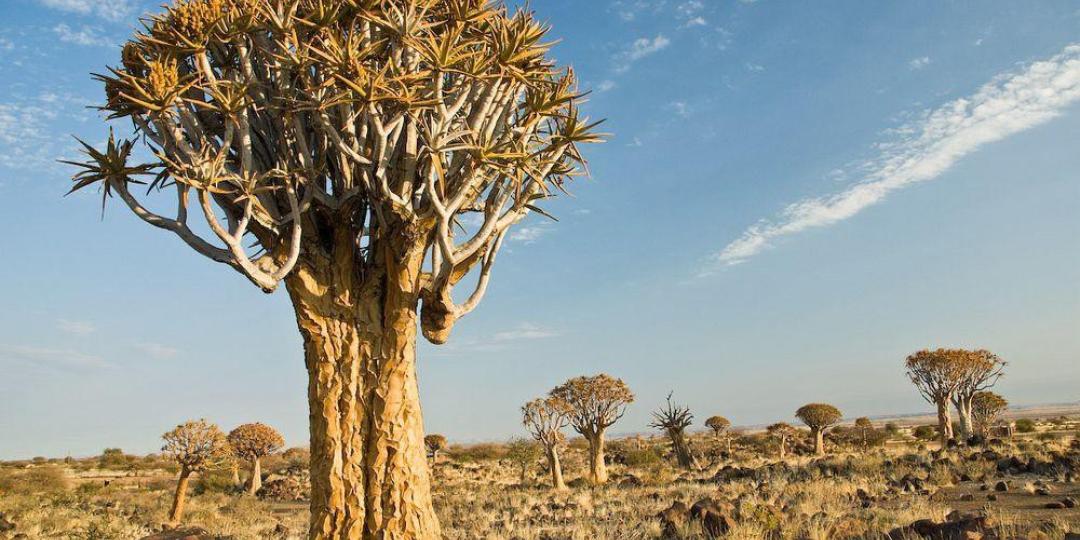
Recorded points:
(674, 517)
(1001, 486)
(1069, 502)
(715, 516)
(1056, 505)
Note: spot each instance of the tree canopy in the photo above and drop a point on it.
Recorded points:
(818, 415)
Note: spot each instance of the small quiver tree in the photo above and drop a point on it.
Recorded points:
(673, 420)
(252, 442)
(434, 443)
(196, 446)
(368, 154)
(979, 370)
(782, 432)
(818, 417)
(721, 428)
(595, 404)
(863, 426)
(986, 409)
(937, 375)
(545, 418)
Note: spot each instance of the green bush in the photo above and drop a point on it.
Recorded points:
(1025, 425)
(925, 432)
(215, 481)
(641, 457)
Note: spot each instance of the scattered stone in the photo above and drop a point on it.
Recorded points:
(1069, 502)
(1056, 505)
(715, 516)
(189, 533)
(967, 497)
(991, 497)
(1001, 486)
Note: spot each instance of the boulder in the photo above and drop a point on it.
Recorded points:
(715, 516)
(674, 518)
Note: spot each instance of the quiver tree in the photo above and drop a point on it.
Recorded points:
(545, 418)
(673, 421)
(720, 427)
(864, 426)
(196, 446)
(818, 417)
(986, 409)
(370, 155)
(434, 443)
(979, 371)
(937, 375)
(781, 431)
(595, 404)
(251, 442)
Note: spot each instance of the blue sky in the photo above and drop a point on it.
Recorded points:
(797, 195)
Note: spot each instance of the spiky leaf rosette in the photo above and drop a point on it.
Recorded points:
(253, 441)
(287, 123)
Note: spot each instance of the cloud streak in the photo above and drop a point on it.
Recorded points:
(63, 359)
(925, 149)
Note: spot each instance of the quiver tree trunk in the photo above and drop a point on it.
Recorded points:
(236, 473)
(945, 431)
(965, 426)
(255, 483)
(555, 467)
(177, 510)
(682, 450)
(369, 472)
(783, 450)
(819, 441)
(597, 469)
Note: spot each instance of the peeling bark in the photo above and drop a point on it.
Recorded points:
(945, 430)
(369, 472)
(819, 441)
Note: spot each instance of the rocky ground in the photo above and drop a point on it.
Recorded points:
(1024, 489)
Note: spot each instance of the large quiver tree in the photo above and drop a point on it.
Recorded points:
(595, 404)
(937, 375)
(979, 371)
(252, 442)
(346, 141)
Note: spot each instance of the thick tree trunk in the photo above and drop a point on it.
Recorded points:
(597, 469)
(963, 413)
(177, 510)
(555, 467)
(783, 443)
(255, 484)
(682, 450)
(819, 441)
(236, 473)
(945, 431)
(727, 439)
(369, 472)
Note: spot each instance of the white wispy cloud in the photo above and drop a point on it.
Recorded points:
(78, 328)
(6, 44)
(607, 85)
(26, 138)
(680, 108)
(928, 147)
(529, 234)
(524, 331)
(640, 48)
(50, 357)
(112, 10)
(918, 63)
(157, 350)
(85, 36)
